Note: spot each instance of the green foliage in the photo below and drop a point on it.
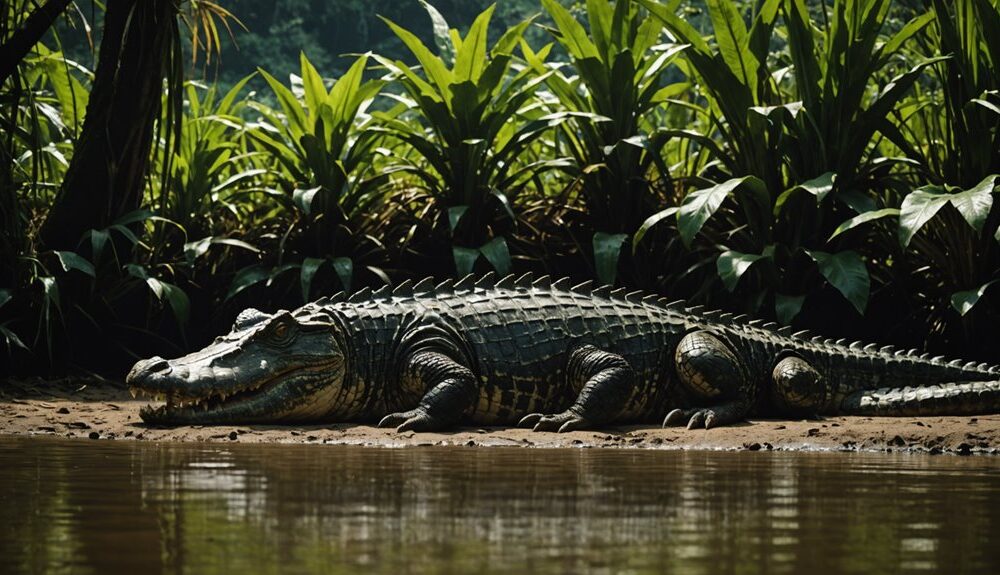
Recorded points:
(473, 122)
(618, 63)
(832, 165)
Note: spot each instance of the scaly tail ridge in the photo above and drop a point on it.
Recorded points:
(964, 398)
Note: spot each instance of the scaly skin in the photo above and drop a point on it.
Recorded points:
(541, 354)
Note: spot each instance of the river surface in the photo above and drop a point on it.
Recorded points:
(132, 507)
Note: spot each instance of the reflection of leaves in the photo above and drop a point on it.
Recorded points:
(845, 271)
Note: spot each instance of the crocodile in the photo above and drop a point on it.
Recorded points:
(542, 354)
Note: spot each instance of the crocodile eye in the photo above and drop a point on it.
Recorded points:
(280, 331)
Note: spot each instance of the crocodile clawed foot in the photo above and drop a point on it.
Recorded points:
(561, 422)
(412, 420)
(698, 418)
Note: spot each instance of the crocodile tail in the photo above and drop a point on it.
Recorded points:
(962, 398)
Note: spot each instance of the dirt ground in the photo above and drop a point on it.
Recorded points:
(104, 410)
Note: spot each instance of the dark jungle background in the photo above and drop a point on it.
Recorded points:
(830, 165)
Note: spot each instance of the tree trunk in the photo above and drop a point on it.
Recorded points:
(106, 176)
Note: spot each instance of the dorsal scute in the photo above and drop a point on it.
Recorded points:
(970, 365)
(632, 296)
(505, 283)
(856, 345)
(603, 292)
(785, 330)
(741, 318)
(801, 334)
(383, 292)
(542, 282)
(424, 286)
(466, 283)
(695, 309)
(445, 287)
(819, 339)
(618, 293)
(583, 288)
(363, 294)
(325, 300)
(403, 289)
(711, 315)
(651, 299)
(561, 284)
(755, 323)
(486, 281)
(887, 349)
(955, 363)
(871, 347)
(773, 326)
(524, 281)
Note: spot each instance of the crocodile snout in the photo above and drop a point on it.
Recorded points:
(145, 369)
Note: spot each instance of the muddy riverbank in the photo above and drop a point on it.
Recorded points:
(102, 410)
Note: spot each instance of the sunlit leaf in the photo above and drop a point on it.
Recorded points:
(862, 219)
(700, 205)
(731, 265)
(964, 301)
(73, 261)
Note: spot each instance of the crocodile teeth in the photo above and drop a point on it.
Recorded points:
(133, 392)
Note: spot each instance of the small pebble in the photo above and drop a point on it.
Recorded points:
(232, 436)
(94, 435)
(62, 410)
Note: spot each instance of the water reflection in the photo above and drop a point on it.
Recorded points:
(129, 507)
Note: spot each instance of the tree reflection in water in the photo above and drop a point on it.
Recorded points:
(86, 507)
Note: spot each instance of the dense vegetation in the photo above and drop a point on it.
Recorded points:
(830, 165)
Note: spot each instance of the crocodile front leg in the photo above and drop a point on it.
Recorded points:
(709, 369)
(605, 382)
(452, 390)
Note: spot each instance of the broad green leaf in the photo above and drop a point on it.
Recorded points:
(304, 198)
(175, 296)
(862, 219)
(12, 339)
(245, 278)
(573, 36)
(786, 307)
(98, 239)
(975, 203)
(306, 274)
(845, 271)
(289, 103)
(73, 261)
(496, 252)
(964, 301)
(472, 57)
(819, 187)
(731, 265)
(465, 260)
(733, 40)
(607, 252)
(649, 223)
(433, 66)
(442, 36)
(919, 206)
(700, 205)
(455, 214)
(345, 271)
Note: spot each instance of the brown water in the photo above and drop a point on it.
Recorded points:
(131, 507)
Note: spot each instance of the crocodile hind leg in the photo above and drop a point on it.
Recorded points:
(798, 388)
(710, 370)
(451, 391)
(606, 383)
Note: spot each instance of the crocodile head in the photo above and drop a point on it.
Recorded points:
(269, 368)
